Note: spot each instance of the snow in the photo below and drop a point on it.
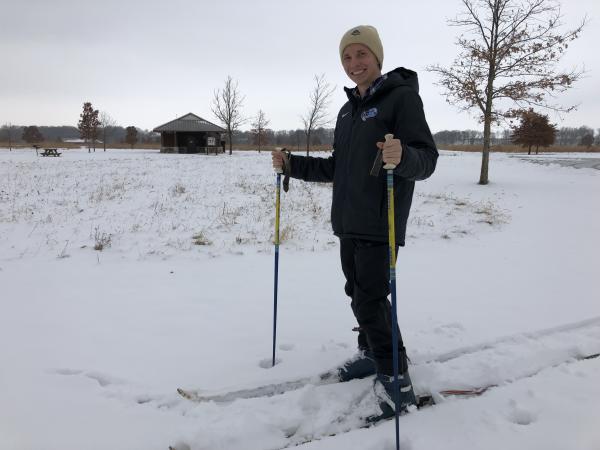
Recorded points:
(497, 285)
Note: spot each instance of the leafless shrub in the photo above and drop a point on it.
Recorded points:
(421, 221)
(314, 208)
(101, 240)
(229, 215)
(63, 253)
(108, 192)
(286, 233)
(177, 189)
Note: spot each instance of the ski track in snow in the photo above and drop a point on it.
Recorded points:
(317, 412)
(506, 346)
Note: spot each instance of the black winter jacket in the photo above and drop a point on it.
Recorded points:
(359, 203)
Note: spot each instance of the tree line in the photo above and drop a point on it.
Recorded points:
(19, 134)
(564, 136)
(292, 139)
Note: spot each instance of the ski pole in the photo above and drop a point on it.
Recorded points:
(275, 288)
(392, 251)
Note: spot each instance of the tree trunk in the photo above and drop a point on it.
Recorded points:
(487, 128)
(230, 134)
(529, 150)
(485, 154)
(307, 143)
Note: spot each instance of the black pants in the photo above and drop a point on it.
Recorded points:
(366, 268)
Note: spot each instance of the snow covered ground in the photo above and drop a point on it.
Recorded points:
(497, 285)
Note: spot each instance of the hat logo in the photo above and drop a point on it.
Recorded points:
(356, 32)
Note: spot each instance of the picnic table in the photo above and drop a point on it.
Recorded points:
(50, 152)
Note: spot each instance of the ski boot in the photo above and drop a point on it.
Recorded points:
(384, 391)
(361, 365)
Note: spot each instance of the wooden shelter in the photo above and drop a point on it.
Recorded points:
(190, 134)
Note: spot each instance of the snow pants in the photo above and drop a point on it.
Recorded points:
(366, 267)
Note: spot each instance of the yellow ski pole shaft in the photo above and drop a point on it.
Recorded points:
(392, 253)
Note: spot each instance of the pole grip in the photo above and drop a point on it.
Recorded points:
(387, 166)
(279, 170)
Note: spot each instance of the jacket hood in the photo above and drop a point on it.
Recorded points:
(404, 77)
(393, 79)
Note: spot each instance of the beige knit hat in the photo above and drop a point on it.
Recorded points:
(366, 35)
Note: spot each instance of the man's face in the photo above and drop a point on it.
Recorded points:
(360, 64)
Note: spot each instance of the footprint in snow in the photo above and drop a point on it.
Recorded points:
(521, 416)
(104, 380)
(268, 363)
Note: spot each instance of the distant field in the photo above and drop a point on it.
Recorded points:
(244, 147)
(77, 145)
(519, 149)
(318, 148)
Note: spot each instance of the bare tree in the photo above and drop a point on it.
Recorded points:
(227, 107)
(106, 124)
(259, 127)
(316, 116)
(508, 53)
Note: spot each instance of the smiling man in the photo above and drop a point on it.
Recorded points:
(377, 105)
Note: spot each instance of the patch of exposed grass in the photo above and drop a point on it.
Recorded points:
(200, 239)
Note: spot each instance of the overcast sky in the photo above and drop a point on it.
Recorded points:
(147, 62)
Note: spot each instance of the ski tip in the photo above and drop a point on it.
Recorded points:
(185, 394)
(425, 400)
(474, 392)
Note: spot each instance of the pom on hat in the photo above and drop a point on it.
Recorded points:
(366, 35)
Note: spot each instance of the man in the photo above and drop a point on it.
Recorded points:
(378, 105)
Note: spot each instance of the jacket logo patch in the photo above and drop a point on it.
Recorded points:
(368, 114)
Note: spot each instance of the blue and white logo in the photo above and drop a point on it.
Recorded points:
(368, 114)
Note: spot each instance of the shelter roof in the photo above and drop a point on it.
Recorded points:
(189, 122)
